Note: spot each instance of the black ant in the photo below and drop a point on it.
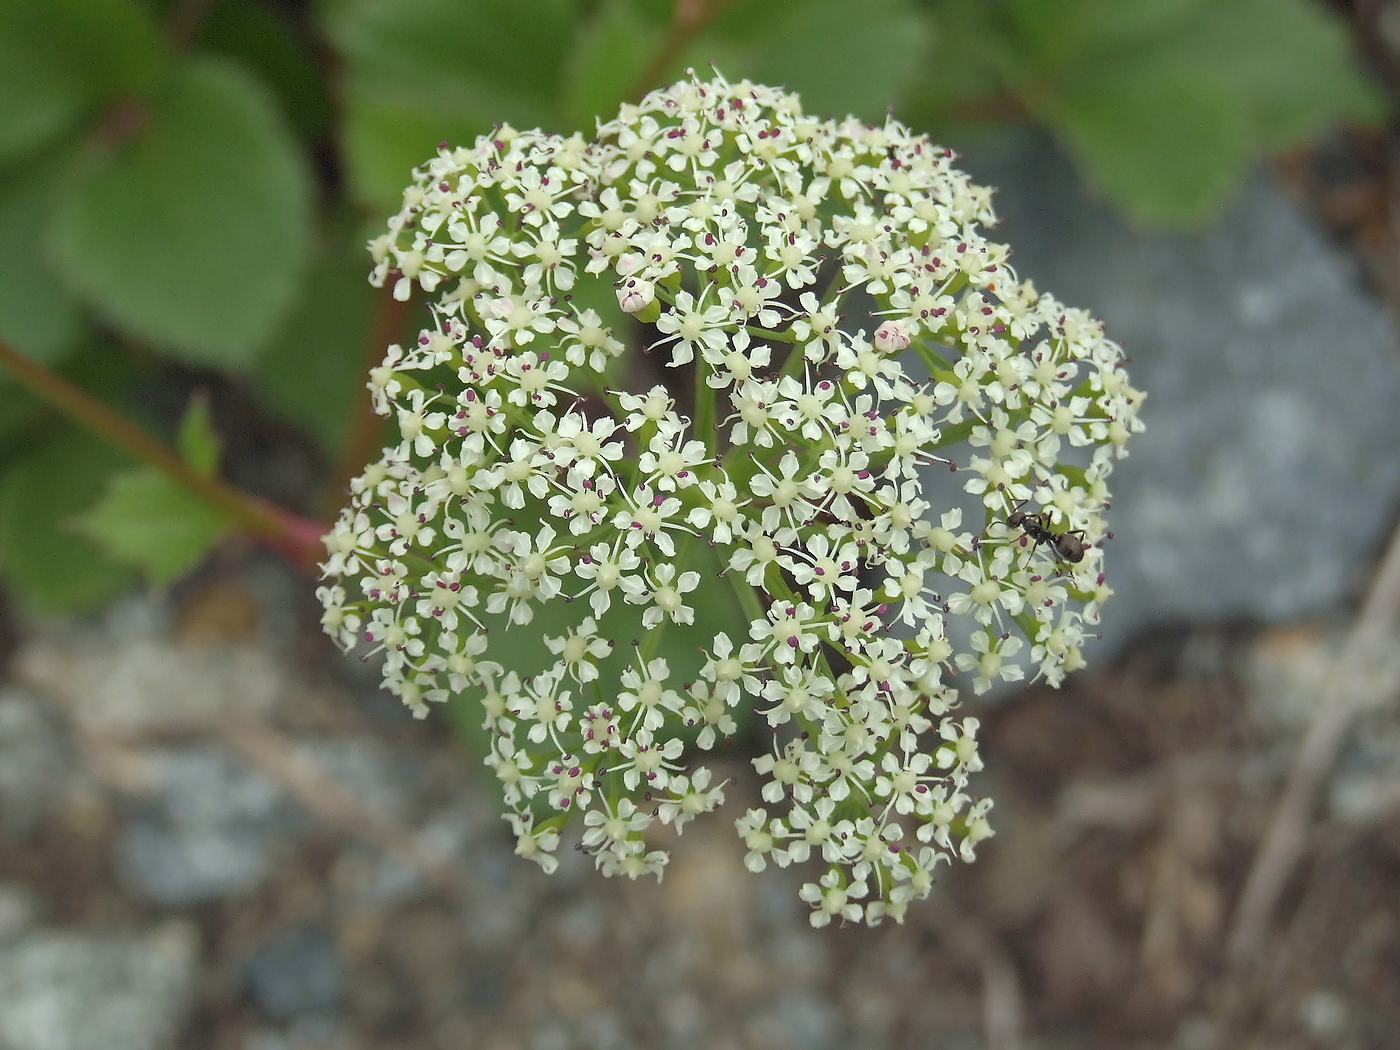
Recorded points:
(1068, 546)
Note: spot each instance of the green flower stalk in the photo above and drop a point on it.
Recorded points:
(739, 234)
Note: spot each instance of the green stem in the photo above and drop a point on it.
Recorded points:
(748, 598)
(705, 407)
(295, 536)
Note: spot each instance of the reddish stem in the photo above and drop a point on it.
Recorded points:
(296, 537)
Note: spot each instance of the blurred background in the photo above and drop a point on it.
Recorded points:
(216, 832)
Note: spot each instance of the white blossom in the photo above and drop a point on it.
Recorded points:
(832, 324)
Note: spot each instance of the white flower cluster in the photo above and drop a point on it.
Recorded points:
(736, 231)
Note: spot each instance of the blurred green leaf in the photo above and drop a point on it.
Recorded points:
(1166, 150)
(612, 53)
(193, 234)
(61, 59)
(199, 446)
(19, 410)
(841, 58)
(1166, 122)
(1291, 63)
(312, 370)
(43, 559)
(38, 315)
(1163, 103)
(264, 39)
(968, 52)
(425, 71)
(148, 521)
(1062, 31)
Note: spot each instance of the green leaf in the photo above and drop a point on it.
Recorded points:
(1052, 34)
(314, 368)
(1290, 62)
(43, 559)
(19, 411)
(613, 52)
(840, 59)
(150, 522)
(1164, 149)
(265, 40)
(147, 520)
(970, 50)
(193, 234)
(199, 446)
(425, 71)
(38, 315)
(61, 59)
(1163, 102)
(842, 64)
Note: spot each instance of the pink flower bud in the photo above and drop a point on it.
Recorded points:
(635, 295)
(891, 337)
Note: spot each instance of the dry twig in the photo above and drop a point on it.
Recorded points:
(328, 798)
(1350, 690)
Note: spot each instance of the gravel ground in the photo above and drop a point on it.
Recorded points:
(218, 835)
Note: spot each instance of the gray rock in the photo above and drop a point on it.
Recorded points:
(795, 1020)
(296, 974)
(309, 1033)
(34, 763)
(501, 899)
(68, 991)
(211, 829)
(370, 878)
(1271, 464)
(151, 685)
(365, 767)
(19, 909)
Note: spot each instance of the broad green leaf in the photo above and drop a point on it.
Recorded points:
(1290, 62)
(1163, 102)
(969, 52)
(386, 135)
(148, 521)
(193, 234)
(314, 368)
(264, 39)
(613, 52)
(44, 561)
(841, 59)
(38, 315)
(1052, 34)
(424, 71)
(199, 446)
(19, 411)
(842, 64)
(1164, 149)
(1103, 26)
(61, 59)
